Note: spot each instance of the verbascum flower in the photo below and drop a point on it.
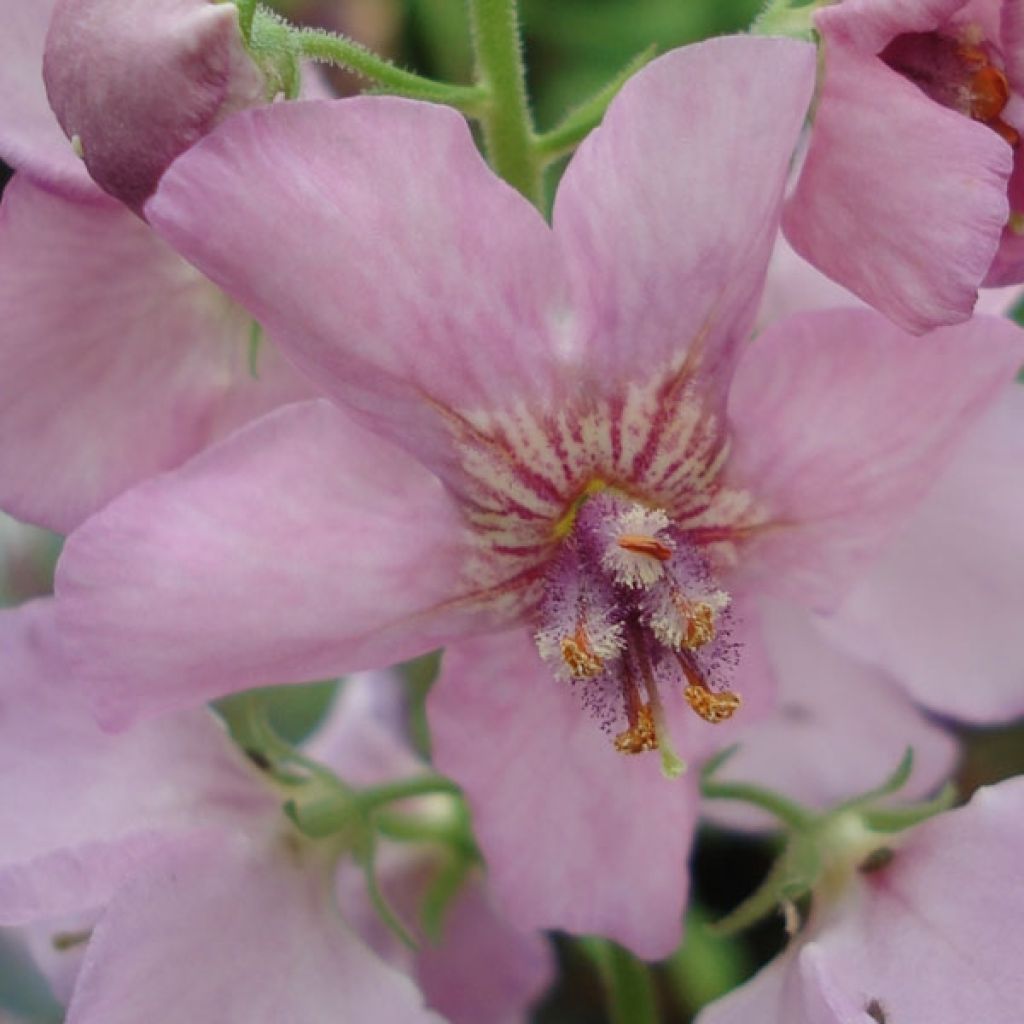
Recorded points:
(555, 452)
(159, 876)
(909, 186)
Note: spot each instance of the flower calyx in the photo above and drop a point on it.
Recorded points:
(823, 851)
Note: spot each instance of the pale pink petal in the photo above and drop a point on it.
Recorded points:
(941, 607)
(841, 423)
(80, 809)
(576, 836)
(364, 737)
(484, 971)
(302, 547)
(30, 138)
(137, 83)
(900, 199)
(871, 24)
(117, 359)
(375, 245)
(232, 934)
(795, 286)
(1011, 38)
(839, 728)
(668, 212)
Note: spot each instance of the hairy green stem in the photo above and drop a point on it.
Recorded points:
(506, 121)
(319, 45)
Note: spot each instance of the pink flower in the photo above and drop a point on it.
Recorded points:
(117, 359)
(555, 468)
(203, 902)
(903, 194)
(136, 83)
(934, 935)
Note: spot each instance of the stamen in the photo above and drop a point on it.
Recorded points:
(672, 765)
(638, 738)
(641, 735)
(579, 656)
(711, 706)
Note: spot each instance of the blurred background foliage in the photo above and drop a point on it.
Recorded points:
(572, 48)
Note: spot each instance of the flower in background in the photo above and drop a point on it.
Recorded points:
(902, 196)
(117, 359)
(169, 852)
(908, 935)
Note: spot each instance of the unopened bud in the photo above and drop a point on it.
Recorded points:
(137, 82)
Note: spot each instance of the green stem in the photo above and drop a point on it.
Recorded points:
(316, 44)
(627, 981)
(785, 810)
(506, 121)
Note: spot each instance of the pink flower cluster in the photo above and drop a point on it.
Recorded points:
(312, 391)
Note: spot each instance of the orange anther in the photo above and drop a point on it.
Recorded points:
(990, 92)
(640, 736)
(579, 656)
(712, 707)
(641, 545)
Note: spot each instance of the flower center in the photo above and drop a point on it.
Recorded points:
(958, 73)
(631, 609)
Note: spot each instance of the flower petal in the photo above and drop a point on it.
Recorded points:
(117, 359)
(900, 199)
(225, 933)
(484, 970)
(82, 808)
(576, 835)
(941, 607)
(372, 241)
(300, 548)
(871, 24)
(30, 138)
(841, 424)
(668, 212)
(839, 728)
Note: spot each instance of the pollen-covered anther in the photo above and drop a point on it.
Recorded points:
(583, 653)
(641, 736)
(579, 657)
(712, 707)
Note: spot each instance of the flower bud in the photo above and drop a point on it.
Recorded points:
(134, 83)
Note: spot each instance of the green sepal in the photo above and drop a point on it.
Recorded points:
(896, 819)
(366, 856)
(255, 344)
(271, 44)
(246, 13)
(440, 895)
(893, 784)
(581, 121)
(792, 876)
